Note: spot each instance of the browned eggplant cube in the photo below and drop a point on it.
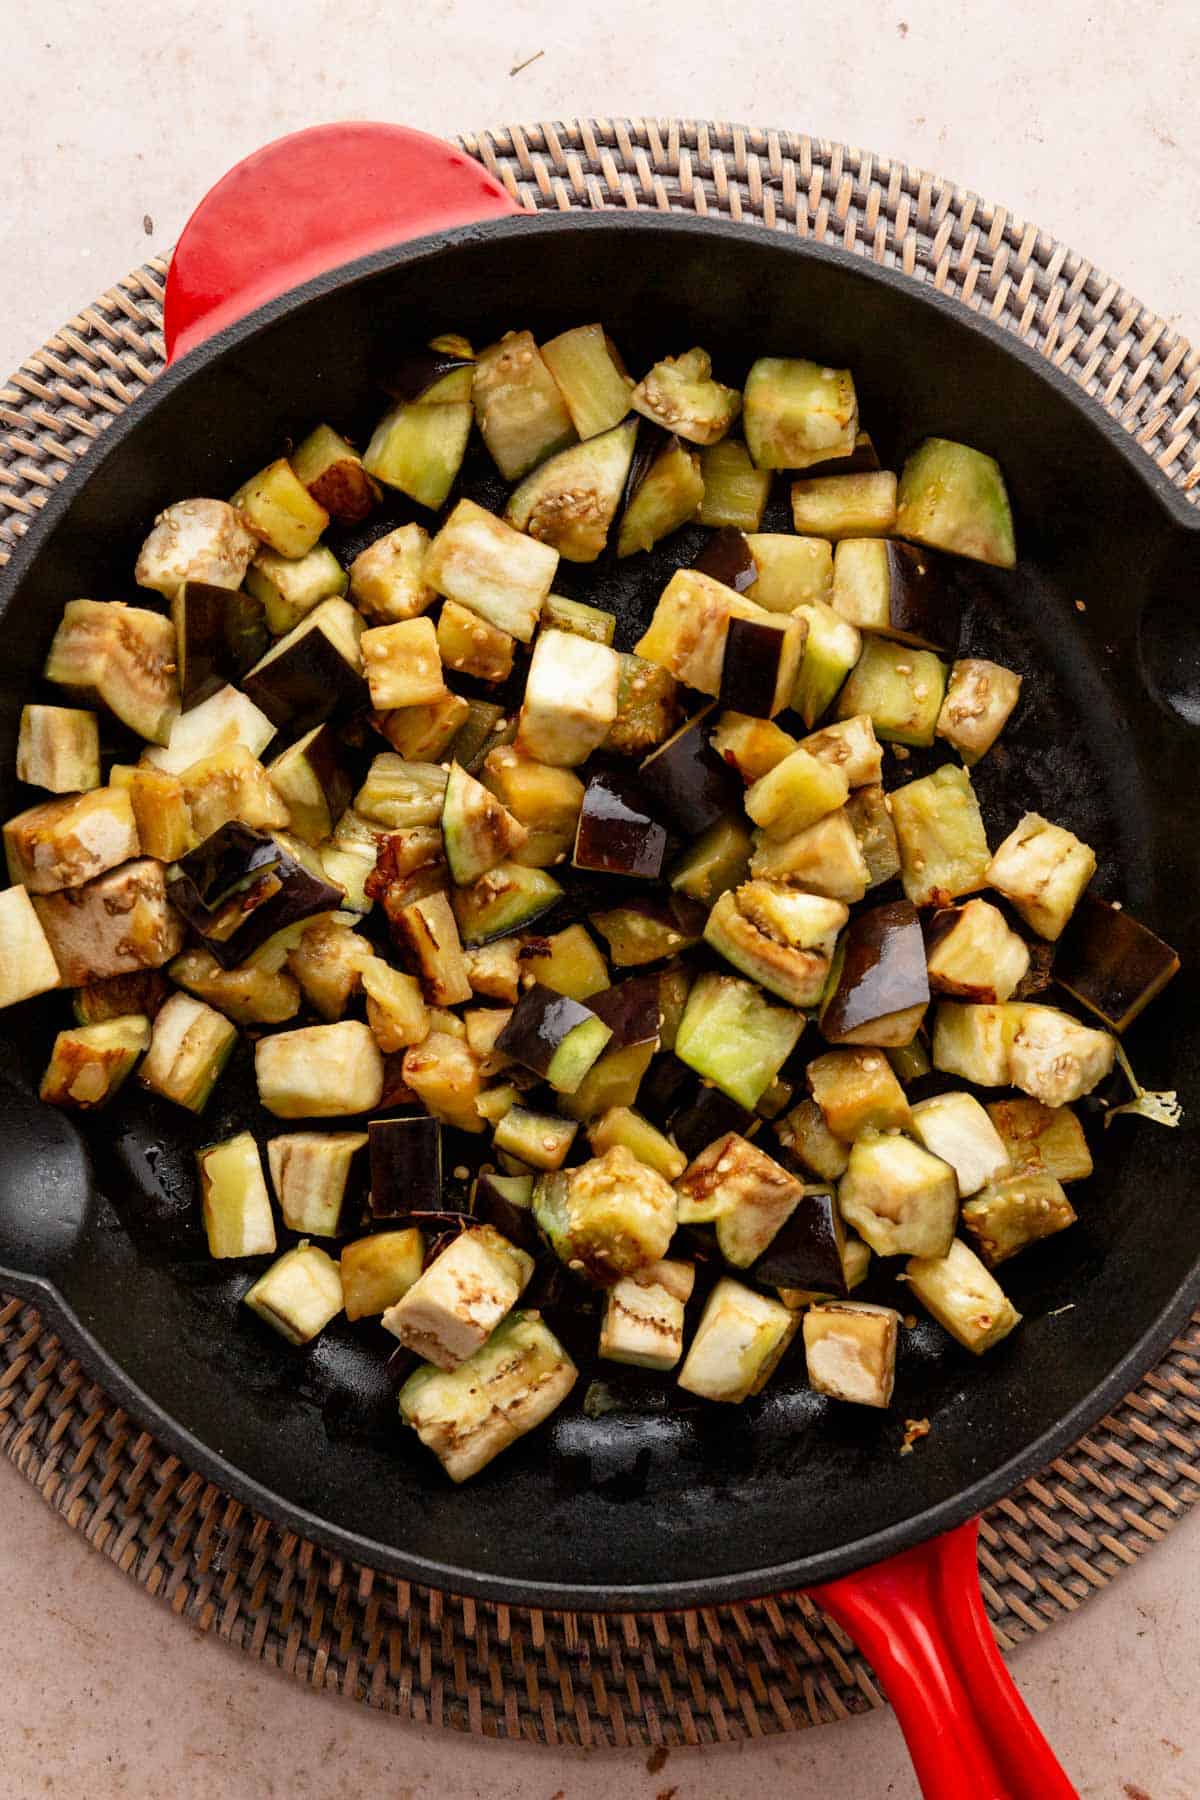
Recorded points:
(881, 989)
(850, 1347)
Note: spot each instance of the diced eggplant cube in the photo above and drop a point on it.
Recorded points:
(953, 498)
(738, 1345)
(402, 664)
(160, 809)
(310, 1172)
(196, 540)
(555, 1036)
(400, 794)
(90, 1062)
(664, 488)
(804, 1133)
(734, 496)
(58, 748)
(732, 1035)
(571, 499)
(545, 800)
(478, 832)
(590, 376)
(688, 632)
(845, 506)
(319, 1072)
(190, 1045)
(248, 995)
(617, 834)
(943, 845)
(280, 509)
(1042, 869)
(499, 573)
(332, 471)
(425, 733)
(789, 571)
(313, 671)
(719, 859)
(240, 887)
(1056, 1059)
(311, 779)
(523, 416)
(974, 954)
(798, 412)
(387, 579)
(428, 931)
(680, 394)
(406, 1165)
(396, 1010)
(688, 782)
(831, 649)
(443, 1072)
(899, 687)
(452, 1309)
(647, 706)
(870, 814)
(494, 970)
(237, 1207)
(779, 937)
(220, 634)
(221, 721)
(857, 1091)
(377, 1271)
(892, 589)
(751, 746)
(880, 989)
(418, 447)
(471, 646)
(539, 1140)
(980, 697)
(299, 1295)
(505, 899)
(288, 588)
(1042, 1140)
(570, 698)
(795, 794)
(1009, 1215)
(808, 1252)
(824, 859)
(328, 963)
(607, 1218)
(851, 746)
(709, 1116)
(569, 963)
(964, 1299)
(762, 659)
(975, 1042)
(621, 1125)
(643, 1319)
(956, 1128)
(732, 1180)
(898, 1197)
(646, 931)
(123, 656)
(115, 925)
(506, 1389)
(64, 842)
(850, 1349)
(856, 1261)
(1111, 963)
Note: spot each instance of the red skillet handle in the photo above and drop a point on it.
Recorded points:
(919, 1619)
(306, 204)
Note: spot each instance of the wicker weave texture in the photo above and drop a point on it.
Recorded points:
(638, 1679)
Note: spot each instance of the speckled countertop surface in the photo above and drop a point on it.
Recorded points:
(1076, 116)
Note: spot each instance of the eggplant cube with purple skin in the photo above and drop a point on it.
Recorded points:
(688, 782)
(406, 1165)
(808, 1253)
(761, 662)
(315, 670)
(1042, 870)
(643, 1319)
(617, 834)
(880, 989)
(898, 1197)
(452, 1310)
(739, 1343)
(570, 698)
(850, 1349)
(747, 1193)
(780, 937)
(895, 590)
(555, 1036)
(1112, 963)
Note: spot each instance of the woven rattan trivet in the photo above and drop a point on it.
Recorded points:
(738, 1671)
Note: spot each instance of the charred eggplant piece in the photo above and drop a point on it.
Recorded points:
(953, 498)
(850, 1351)
(64, 842)
(89, 1062)
(248, 996)
(973, 954)
(1110, 963)
(1010, 1215)
(332, 471)
(463, 1294)
(688, 782)
(893, 589)
(880, 988)
(470, 646)
(857, 1091)
(478, 832)
(116, 925)
(555, 1036)
(241, 886)
(571, 500)
(311, 1175)
(617, 834)
(443, 1072)
(428, 932)
(406, 1165)
(546, 800)
(312, 672)
(145, 993)
(608, 1218)
(781, 938)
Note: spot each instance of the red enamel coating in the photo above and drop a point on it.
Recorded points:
(919, 1619)
(296, 209)
(308, 203)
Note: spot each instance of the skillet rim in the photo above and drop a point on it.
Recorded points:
(1178, 514)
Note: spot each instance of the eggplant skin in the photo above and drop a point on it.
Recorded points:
(728, 558)
(883, 969)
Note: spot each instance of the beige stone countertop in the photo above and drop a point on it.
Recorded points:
(1081, 117)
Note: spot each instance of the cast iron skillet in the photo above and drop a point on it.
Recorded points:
(648, 1505)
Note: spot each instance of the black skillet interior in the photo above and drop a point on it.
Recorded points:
(638, 1498)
